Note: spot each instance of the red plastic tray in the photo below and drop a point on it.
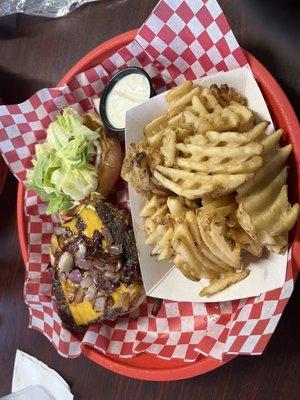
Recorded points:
(3, 173)
(3, 170)
(144, 366)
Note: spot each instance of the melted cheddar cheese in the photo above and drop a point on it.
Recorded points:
(90, 218)
(72, 225)
(83, 313)
(117, 293)
(133, 290)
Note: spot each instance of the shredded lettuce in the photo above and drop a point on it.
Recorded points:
(77, 183)
(59, 203)
(40, 177)
(63, 172)
(75, 152)
(69, 124)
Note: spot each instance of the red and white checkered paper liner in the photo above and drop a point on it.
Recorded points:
(180, 40)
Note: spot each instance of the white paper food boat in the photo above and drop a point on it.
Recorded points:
(161, 278)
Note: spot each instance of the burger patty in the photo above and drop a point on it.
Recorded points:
(97, 274)
(120, 225)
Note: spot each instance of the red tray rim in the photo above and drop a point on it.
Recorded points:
(139, 367)
(3, 173)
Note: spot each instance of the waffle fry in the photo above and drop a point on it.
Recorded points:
(194, 153)
(238, 235)
(168, 148)
(204, 145)
(179, 91)
(264, 210)
(211, 219)
(161, 239)
(196, 263)
(225, 95)
(222, 283)
(154, 131)
(194, 186)
(196, 239)
(208, 146)
(152, 205)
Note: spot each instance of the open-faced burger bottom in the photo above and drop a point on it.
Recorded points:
(96, 269)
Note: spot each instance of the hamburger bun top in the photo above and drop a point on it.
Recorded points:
(111, 155)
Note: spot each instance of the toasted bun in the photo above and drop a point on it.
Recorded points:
(111, 156)
(110, 166)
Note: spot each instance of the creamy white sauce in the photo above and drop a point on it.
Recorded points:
(128, 92)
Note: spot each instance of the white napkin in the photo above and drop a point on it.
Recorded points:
(30, 371)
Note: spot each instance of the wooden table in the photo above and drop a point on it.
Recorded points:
(36, 52)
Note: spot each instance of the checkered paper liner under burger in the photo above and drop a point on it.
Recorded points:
(180, 40)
